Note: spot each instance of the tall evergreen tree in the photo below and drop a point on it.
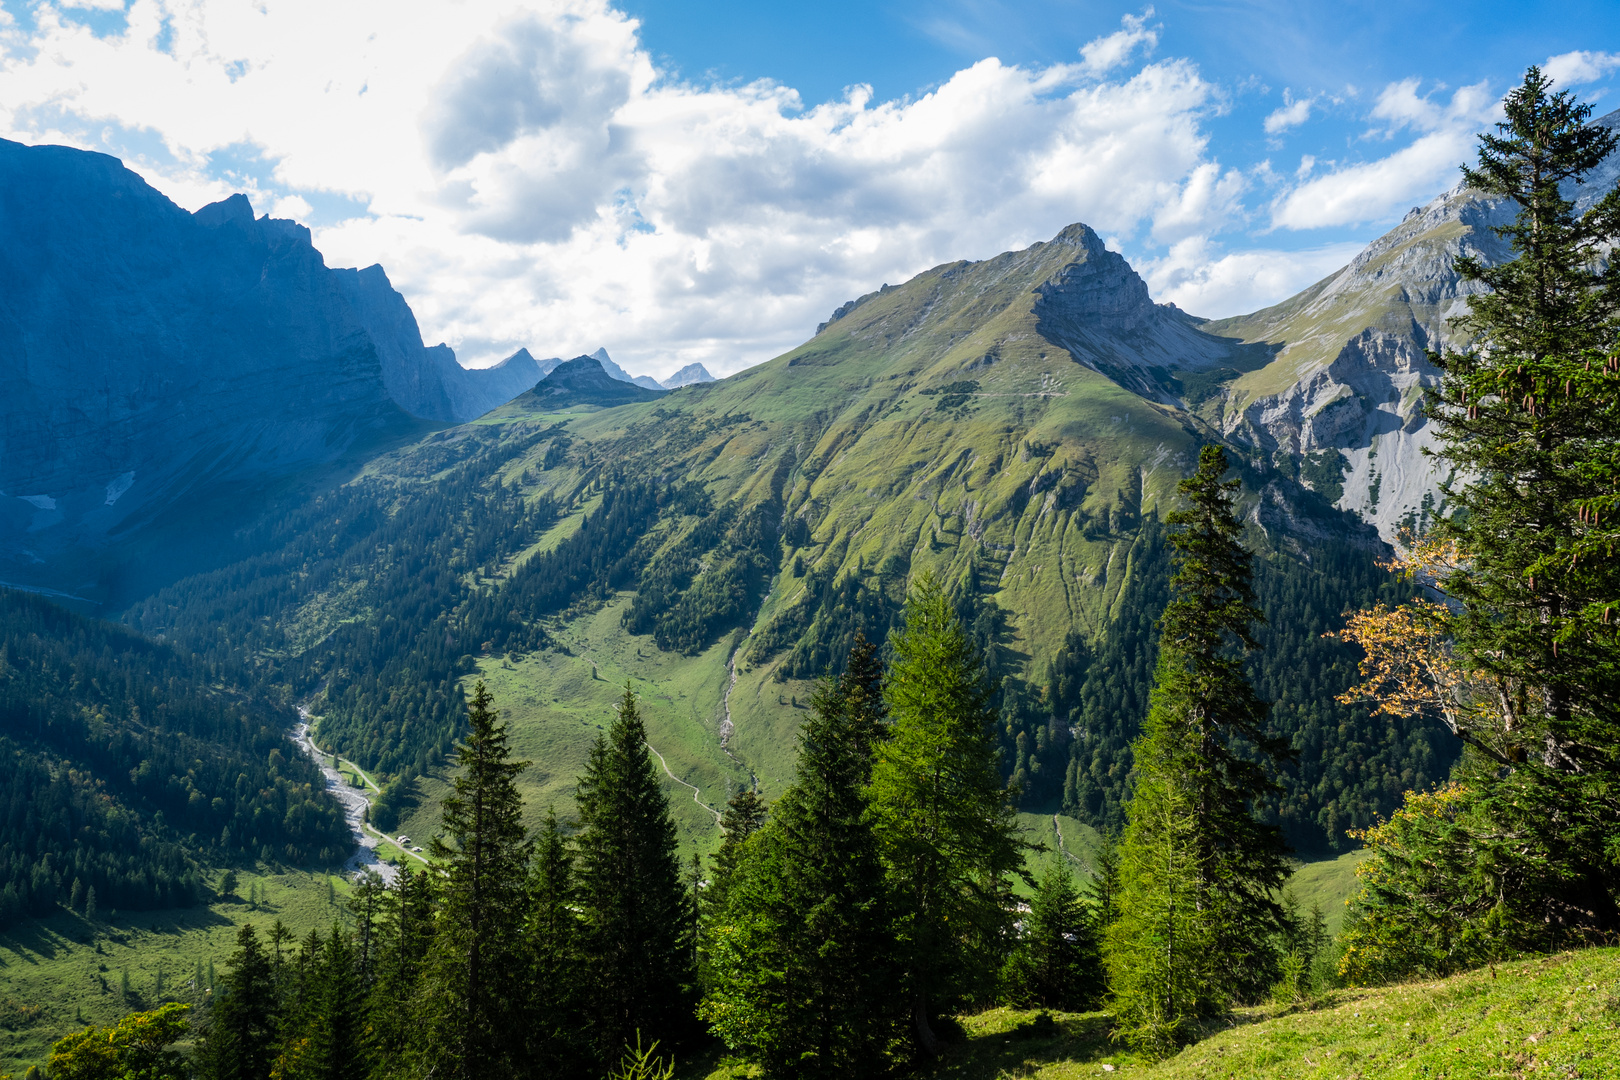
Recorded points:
(557, 1009)
(404, 936)
(948, 832)
(1529, 417)
(1191, 759)
(744, 816)
(1056, 962)
(1159, 950)
(321, 1036)
(636, 933)
(240, 1042)
(800, 959)
(472, 992)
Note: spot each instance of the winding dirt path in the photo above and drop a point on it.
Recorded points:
(695, 791)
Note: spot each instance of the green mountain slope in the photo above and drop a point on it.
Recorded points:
(1011, 425)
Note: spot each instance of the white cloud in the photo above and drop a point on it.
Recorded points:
(1579, 67)
(1374, 190)
(529, 178)
(1104, 54)
(1198, 277)
(1292, 114)
(295, 207)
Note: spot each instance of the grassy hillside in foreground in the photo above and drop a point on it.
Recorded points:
(59, 974)
(1555, 1016)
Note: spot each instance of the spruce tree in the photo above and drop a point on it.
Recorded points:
(1191, 760)
(1528, 412)
(801, 972)
(636, 933)
(1159, 950)
(472, 992)
(240, 1042)
(744, 816)
(335, 1037)
(557, 1007)
(948, 831)
(1056, 962)
(404, 936)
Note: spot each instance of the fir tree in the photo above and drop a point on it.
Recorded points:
(1056, 962)
(472, 994)
(338, 1009)
(799, 959)
(744, 816)
(404, 938)
(1190, 761)
(365, 905)
(1159, 950)
(636, 917)
(557, 1008)
(1528, 412)
(240, 1041)
(948, 831)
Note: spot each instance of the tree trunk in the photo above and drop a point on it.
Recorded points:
(927, 1041)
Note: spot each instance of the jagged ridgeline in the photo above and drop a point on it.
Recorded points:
(124, 767)
(1016, 425)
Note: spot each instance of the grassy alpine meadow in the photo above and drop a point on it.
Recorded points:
(1548, 1016)
(61, 974)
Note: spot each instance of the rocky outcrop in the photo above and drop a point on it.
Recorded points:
(153, 362)
(1098, 309)
(1350, 355)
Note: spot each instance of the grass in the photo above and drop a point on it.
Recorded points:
(71, 969)
(1328, 884)
(1556, 1016)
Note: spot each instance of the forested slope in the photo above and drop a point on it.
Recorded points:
(125, 765)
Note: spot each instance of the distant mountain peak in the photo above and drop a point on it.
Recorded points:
(584, 380)
(691, 373)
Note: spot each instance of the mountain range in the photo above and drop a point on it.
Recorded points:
(1015, 425)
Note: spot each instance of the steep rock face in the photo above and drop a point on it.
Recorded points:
(1099, 309)
(428, 381)
(152, 359)
(1350, 355)
(1351, 359)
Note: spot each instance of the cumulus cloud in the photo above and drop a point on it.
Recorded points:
(1292, 114)
(1104, 54)
(1374, 190)
(1198, 277)
(1580, 67)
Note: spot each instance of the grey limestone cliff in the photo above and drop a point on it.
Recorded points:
(1348, 357)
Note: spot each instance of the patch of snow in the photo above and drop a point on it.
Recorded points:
(43, 502)
(119, 486)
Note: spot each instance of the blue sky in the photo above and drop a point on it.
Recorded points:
(705, 181)
(1345, 52)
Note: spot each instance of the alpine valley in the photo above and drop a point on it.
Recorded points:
(236, 486)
